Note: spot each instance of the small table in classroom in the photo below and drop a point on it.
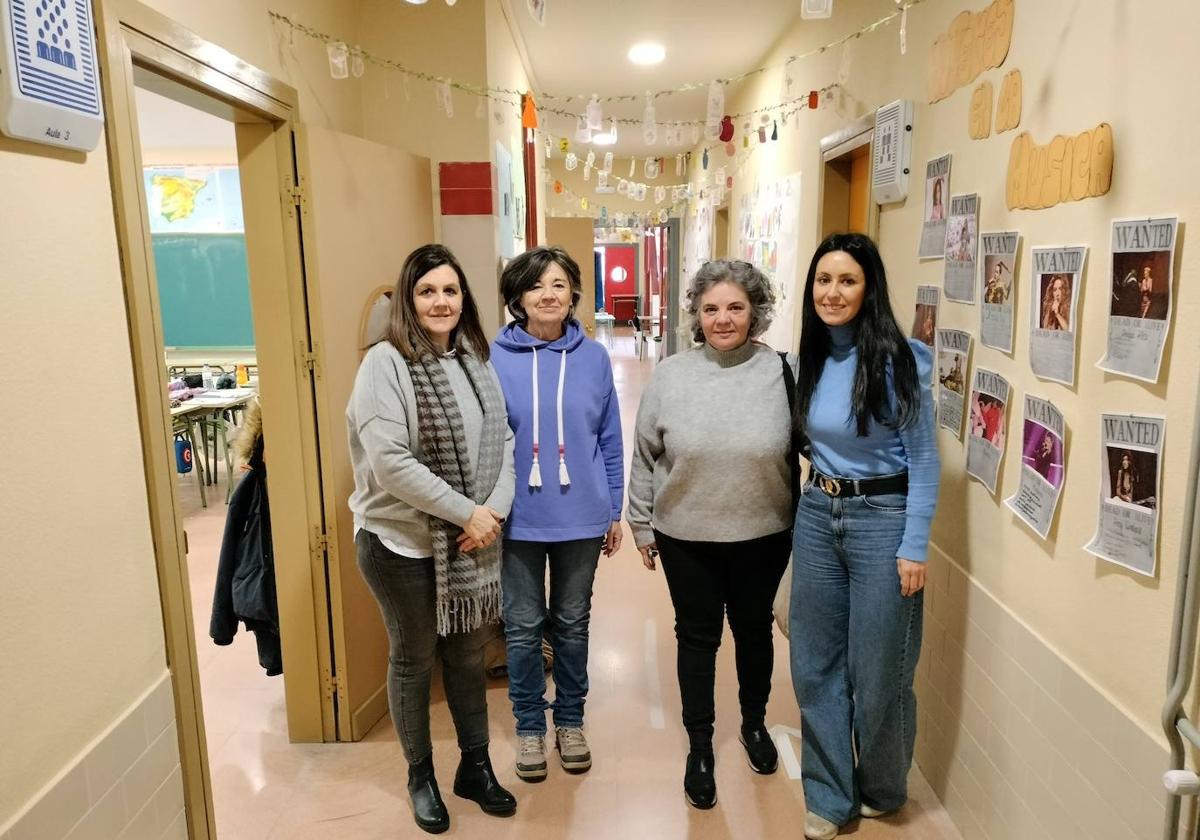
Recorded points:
(208, 409)
(604, 324)
(183, 417)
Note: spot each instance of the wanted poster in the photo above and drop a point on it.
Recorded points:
(1130, 471)
(988, 421)
(937, 201)
(1139, 314)
(962, 248)
(953, 355)
(925, 319)
(1043, 465)
(999, 263)
(1057, 274)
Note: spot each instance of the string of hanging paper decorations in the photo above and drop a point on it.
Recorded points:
(346, 60)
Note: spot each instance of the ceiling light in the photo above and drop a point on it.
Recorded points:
(646, 52)
(416, 2)
(606, 139)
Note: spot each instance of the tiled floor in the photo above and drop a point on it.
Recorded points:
(266, 788)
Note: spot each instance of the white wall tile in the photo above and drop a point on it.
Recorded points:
(105, 820)
(153, 767)
(115, 754)
(159, 709)
(58, 811)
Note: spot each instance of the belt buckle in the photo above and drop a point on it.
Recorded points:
(831, 486)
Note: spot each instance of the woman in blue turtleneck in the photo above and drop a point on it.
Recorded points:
(862, 528)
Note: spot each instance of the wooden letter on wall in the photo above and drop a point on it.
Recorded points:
(1066, 169)
(979, 118)
(974, 42)
(1008, 109)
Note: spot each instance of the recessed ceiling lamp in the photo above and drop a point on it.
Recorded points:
(416, 2)
(647, 52)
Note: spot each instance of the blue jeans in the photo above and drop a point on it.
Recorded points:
(855, 644)
(526, 619)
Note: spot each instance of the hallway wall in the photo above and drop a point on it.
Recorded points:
(1043, 669)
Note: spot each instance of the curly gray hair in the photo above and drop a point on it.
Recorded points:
(751, 281)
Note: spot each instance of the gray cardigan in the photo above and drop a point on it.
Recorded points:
(394, 492)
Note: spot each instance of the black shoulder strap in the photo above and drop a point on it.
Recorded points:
(795, 446)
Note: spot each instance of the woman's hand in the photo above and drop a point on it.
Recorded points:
(480, 530)
(612, 540)
(912, 576)
(649, 553)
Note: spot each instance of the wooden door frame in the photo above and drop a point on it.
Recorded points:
(852, 136)
(131, 34)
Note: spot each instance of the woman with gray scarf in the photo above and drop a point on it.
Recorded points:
(433, 481)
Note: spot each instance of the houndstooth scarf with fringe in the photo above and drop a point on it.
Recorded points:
(468, 585)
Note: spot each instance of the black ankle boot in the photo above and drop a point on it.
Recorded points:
(760, 749)
(699, 786)
(475, 780)
(428, 808)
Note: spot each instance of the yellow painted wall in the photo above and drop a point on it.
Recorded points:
(80, 622)
(1111, 625)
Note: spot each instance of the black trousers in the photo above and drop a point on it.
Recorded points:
(707, 581)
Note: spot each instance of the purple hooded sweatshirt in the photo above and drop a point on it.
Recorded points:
(577, 490)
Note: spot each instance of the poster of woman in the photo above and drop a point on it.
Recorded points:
(1057, 276)
(1043, 465)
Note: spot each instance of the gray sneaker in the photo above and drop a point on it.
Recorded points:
(573, 750)
(531, 758)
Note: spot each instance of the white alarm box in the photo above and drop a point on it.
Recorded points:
(49, 75)
(891, 151)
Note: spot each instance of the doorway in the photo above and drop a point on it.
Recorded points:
(846, 202)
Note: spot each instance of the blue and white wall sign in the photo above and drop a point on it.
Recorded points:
(49, 79)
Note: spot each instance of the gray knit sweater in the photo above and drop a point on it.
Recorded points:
(393, 491)
(710, 455)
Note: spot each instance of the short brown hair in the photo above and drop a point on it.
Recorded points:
(404, 330)
(524, 270)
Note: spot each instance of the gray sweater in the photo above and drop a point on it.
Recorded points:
(710, 455)
(393, 490)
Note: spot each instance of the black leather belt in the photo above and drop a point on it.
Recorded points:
(831, 486)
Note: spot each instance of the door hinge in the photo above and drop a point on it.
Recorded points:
(333, 685)
(310, 363)
(320, 547)
(296, 193)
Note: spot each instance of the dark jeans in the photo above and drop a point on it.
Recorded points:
(708, 580)
(564, 623)
(406, 592)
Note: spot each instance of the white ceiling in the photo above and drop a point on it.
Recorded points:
(582, 50)
(166, 124)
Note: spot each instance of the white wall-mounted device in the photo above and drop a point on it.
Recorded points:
(891, 151)
(49, 75)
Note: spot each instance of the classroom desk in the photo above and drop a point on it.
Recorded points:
(183, 417)
(205, 410)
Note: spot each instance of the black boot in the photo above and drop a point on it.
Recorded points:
(428, 808)
(699, 786)
(760, 749)
(475, 780)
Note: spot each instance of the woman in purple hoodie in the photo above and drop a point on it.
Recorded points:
(562, 407)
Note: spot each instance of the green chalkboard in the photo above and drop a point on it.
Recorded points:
(204, 290)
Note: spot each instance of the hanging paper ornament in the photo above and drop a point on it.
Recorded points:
(558, 187)
(814, 99)
(649, 126)
(704, 160)
(604, 214)
(357, 65)
(571, 162)
(651, 168)
(678, 165)
(338, 54)
(695, 134)
(762, 134)
(660, 194)
(549, 145)
(446, 97)
(587, 172)
(583, 134)
(774, 131)
(564, 145)
(481, 112)
(729, 182)
(904, 31)
(726, 129)
(612, 129)
(583, 203)
(632, 167)
(595, 115)
(730, 149)
(716, 107)
(608, 161)
(640, 193)
(622, 187)
(529, 114)
(601, 180)
(591, 158)
(619, 219)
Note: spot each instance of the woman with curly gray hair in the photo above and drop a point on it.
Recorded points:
(711, 494)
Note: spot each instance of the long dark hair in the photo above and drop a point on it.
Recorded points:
(879, 342)
(524, 270)
(404, 329)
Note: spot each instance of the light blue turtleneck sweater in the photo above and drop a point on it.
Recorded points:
(838, 451)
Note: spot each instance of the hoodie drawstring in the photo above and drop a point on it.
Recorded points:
(535, 471)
